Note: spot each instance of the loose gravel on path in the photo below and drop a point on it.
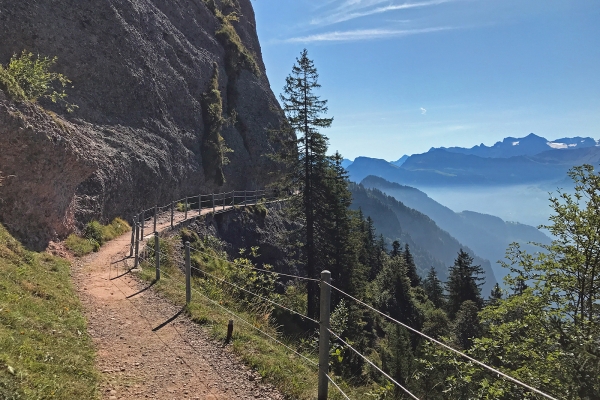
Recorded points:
(138, 361)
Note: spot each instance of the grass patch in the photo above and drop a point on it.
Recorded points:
(45, 352)
(95, 235)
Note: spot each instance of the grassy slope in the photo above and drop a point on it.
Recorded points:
(43, 336)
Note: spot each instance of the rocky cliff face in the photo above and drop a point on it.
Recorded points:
(141, 71)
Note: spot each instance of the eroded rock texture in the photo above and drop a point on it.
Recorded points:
(140, 69)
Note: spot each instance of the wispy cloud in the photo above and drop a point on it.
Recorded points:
(363, 34)
(423, 111)
(357, 9)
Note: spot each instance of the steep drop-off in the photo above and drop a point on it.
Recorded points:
(141, 71)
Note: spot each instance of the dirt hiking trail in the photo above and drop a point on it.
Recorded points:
(139, 361)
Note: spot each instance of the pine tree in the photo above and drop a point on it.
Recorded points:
(395, 249)
(411, 267)
(434, 289)
(304, 110)
(495, 295)
(464, 283)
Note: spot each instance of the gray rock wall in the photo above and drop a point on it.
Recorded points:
(139, 69)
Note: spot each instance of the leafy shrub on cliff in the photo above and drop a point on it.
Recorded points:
(95, 235)
(237, 56)
(29, 78)
(45, 352)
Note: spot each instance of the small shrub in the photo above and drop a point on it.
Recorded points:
(181, 207)
(115, 229)
(9, 85)
(95, 235)
(29, 78)
(189, 236)
(94, 231)
(80, 246)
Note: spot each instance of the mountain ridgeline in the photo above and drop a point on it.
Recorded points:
(487, 235)
(513, 161)
(430, 245)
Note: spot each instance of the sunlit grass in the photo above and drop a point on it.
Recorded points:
(45, 352)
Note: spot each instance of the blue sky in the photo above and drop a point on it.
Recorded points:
(404, 76)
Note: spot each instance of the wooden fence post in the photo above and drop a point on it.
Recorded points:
(172, 214)
(155, 216)
(157, 255)
(188, 274)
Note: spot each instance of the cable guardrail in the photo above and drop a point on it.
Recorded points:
(145, 258)
(330, 379)
(304, 278)
(485, 366)
(243, 320)
(373, 365)
(257, 295)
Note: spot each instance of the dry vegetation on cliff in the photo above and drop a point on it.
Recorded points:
(45, 351)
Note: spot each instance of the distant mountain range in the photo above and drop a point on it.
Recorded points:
(487, 235)
(531, 159)
(430, 245)
(528, 146)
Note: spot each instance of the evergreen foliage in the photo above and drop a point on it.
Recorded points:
(463, 283)
(434, 289)
(411, 268)
(304, 110)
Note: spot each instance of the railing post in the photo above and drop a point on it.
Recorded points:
(142, 222)
(137, 245)
(132, 237)
(186, 207)
(155, 216)
(223, 200)
(172, 214)
(157, 255)
(233, 198)
(325, 301)
(199, 204)
(188, 274)
(245, 197)
(213, 203)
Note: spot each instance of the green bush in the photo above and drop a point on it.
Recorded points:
(181, 207)
(95, 235)
(81, 246)
(29, 78)
(9, 85)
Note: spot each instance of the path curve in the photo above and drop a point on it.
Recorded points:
(178, 361)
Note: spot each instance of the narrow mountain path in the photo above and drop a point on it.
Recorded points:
(138, 358)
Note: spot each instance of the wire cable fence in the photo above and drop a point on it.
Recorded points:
(225, 200)
(302, 278)
(437, 342)
(147, 259)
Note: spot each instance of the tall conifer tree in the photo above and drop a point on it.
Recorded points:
(304, 111)
(464, 283)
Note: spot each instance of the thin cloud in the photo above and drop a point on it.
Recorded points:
(423, 111)
(347, 15)
(363, 34)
